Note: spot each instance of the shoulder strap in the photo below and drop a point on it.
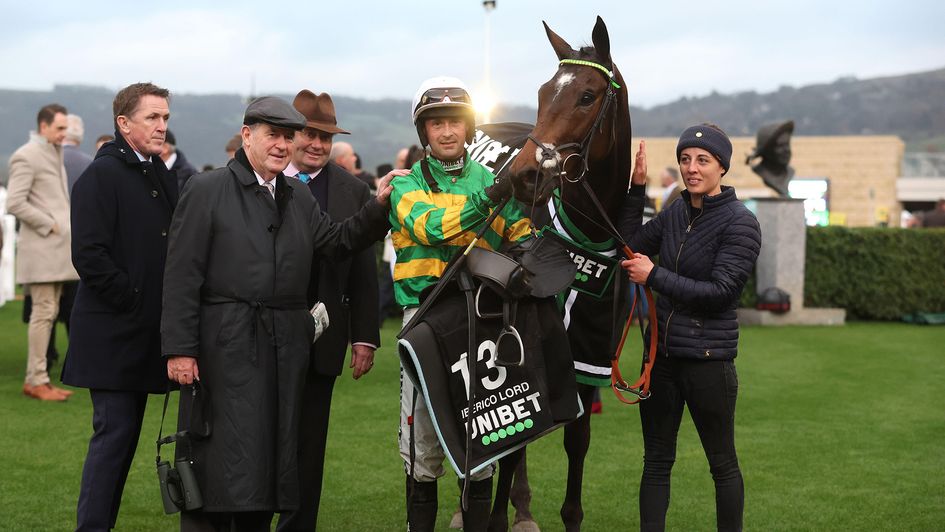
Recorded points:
(169, 439)
(428, 176)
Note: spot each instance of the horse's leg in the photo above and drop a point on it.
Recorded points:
(577, 439)
(499, 520)
(521, 494)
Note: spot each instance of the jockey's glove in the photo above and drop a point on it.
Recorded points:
(498, 191)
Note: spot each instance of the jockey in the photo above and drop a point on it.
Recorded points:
(436, 211)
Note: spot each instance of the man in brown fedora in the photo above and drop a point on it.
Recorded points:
(348, 288)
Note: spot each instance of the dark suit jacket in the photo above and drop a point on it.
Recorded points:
(121, 214)
(347, 287)
(75, 161)
(182, 169)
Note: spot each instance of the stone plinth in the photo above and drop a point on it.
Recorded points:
(781, 264)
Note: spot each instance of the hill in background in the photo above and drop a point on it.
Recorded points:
(909, 106)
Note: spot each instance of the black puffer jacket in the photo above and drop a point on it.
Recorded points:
(705, 258)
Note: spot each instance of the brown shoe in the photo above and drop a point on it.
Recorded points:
(43, 392)
(61, 391)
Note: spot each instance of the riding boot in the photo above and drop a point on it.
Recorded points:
(476, 518)
(421, 505)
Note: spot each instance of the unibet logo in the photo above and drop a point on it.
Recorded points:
(510, 430)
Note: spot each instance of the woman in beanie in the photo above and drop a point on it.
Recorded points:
(707, 246)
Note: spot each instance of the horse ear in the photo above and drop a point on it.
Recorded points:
(601, 40)
(561, 48)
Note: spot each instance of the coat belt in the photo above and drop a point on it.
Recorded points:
(259, 305)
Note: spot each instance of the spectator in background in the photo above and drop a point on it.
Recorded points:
(38, 196)
(414, 154)
(74, 159)
(669, 180)
(367, 177)
(343, 155)
(175, 161)
(382, 169)
(232, 145)
(123, 206)
(936, 216)
(102, 139)
(385, 288)
(401, 158)
(347, 287)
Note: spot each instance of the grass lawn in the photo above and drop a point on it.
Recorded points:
(837, 429)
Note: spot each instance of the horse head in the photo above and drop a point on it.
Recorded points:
(579, 112)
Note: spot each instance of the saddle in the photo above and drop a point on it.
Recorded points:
(541, 268)
(467, 356)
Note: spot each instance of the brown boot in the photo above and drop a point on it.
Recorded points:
(43, 392)
(61, 391)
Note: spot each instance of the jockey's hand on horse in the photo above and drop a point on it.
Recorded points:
(638, 176)
(501, 189)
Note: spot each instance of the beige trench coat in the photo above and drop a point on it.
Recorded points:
(38, 197)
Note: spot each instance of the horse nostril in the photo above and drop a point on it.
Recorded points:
(528, 177)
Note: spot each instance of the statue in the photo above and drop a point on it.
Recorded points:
(773, 146)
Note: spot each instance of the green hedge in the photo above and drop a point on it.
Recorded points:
(874, 273)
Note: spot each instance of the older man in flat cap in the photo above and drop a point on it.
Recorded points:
(235, 319)
(348, 289)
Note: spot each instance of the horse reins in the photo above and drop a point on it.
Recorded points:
(640, 388)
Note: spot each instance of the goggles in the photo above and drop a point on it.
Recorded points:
(444, 95)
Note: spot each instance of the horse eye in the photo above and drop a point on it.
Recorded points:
(587, 98)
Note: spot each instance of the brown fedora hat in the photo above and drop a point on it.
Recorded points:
(319, 111)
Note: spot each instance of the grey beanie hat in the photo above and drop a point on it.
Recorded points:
(708, 137)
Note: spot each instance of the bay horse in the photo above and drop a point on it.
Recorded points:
(582, 132)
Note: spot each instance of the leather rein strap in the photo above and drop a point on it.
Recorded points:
(641, 387)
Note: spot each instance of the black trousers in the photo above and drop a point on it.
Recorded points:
(313, 435)
(116, 422)
(709, 390)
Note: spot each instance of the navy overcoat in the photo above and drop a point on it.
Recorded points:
(121, 215)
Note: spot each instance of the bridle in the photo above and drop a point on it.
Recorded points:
(640, 388)
(583, 147)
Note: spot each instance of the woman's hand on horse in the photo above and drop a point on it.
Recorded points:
(638, 177)
(638, 267)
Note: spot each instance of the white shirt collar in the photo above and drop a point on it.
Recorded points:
(171, 160)
(262, 182)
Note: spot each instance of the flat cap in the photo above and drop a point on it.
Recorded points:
(275, 112)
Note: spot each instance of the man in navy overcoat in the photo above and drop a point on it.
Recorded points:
(121, 212)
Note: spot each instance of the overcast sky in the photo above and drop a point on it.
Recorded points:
(384, 49)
